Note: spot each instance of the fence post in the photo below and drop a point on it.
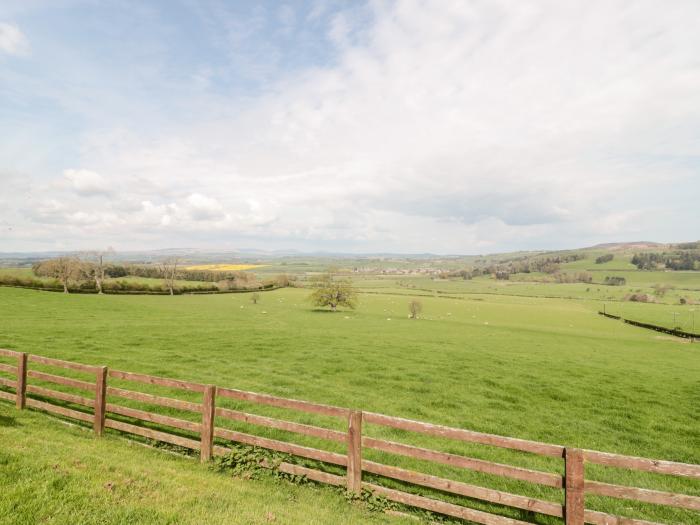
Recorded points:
(354, 468)
(208, 410)
(574, 506)
(98, 424)
(21, 389)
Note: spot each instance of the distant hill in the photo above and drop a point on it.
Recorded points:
(634, 245)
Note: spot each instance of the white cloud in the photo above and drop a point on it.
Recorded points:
(12, 40)
(86, 182)
(453, 127)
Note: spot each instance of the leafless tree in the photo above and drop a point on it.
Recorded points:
(415, 307)
(168, 268)
(65, 269)
(94, 266)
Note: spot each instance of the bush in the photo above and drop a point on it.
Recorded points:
(615, 280)
(604, 258)
(639, 298)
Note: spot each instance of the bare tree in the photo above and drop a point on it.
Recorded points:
(415, 307)
(282, 280)
(94, 266)
(168, 268)
(255, 297)
(65, 269)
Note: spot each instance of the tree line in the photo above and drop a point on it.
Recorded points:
(90, 272)
(678, 260)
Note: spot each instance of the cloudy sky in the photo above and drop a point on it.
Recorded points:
(451, 127)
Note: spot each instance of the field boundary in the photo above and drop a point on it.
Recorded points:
(108, 291)
(656, 328)
(102, 411)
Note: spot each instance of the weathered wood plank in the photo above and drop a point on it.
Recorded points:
(543, 449)
(282, 424)
(478, 465)
(574, 505)
(465, 489)
(100, 399)
(312, 474)
(442, 507)
(282, 446)
(154, 400)
(354, 441)
(152, 434)
(60, 380)
(153, 418)
(160, 381)
(281, 402)
(649, 465)
(21, 388)
(9, 383)
(208, 413)
(9, 369)
(649, 496)
(62, 364)
(63, 411)
(7, 396)
(63, 396)
(601, 518)
(9, 353)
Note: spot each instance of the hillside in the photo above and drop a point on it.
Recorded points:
(56, 474)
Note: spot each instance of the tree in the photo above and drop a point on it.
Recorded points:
(333, 293)
(65, 269)
(255, 297)
(94, 266)
(168, 268)
(415, 307)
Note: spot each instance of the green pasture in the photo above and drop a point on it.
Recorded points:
(60, 475)
(547, 369)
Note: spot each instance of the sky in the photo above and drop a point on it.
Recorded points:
(456, 127)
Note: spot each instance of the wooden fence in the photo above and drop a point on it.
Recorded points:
(573, 483)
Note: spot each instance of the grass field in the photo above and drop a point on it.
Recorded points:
(224, 267)
(55, 474)
(536, 368)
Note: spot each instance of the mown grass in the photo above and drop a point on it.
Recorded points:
(545, 369)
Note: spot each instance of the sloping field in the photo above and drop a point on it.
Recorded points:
(550, 370)
(55, 474)
(223, 267)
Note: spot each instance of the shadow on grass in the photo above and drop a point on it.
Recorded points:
(8, 421)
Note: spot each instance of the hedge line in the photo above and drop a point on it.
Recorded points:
(657, 328)
(121, 287)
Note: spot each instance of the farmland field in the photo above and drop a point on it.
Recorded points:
(533, 364)
(223, 267)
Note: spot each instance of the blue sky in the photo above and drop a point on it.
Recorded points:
(451, 127)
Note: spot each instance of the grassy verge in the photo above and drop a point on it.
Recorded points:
(51, 473)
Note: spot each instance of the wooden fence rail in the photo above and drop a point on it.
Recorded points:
(200, 436)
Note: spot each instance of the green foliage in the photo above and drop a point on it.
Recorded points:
(604, 258)
(615, 280)
(333, 292)
(373, 502)
(249, 462)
